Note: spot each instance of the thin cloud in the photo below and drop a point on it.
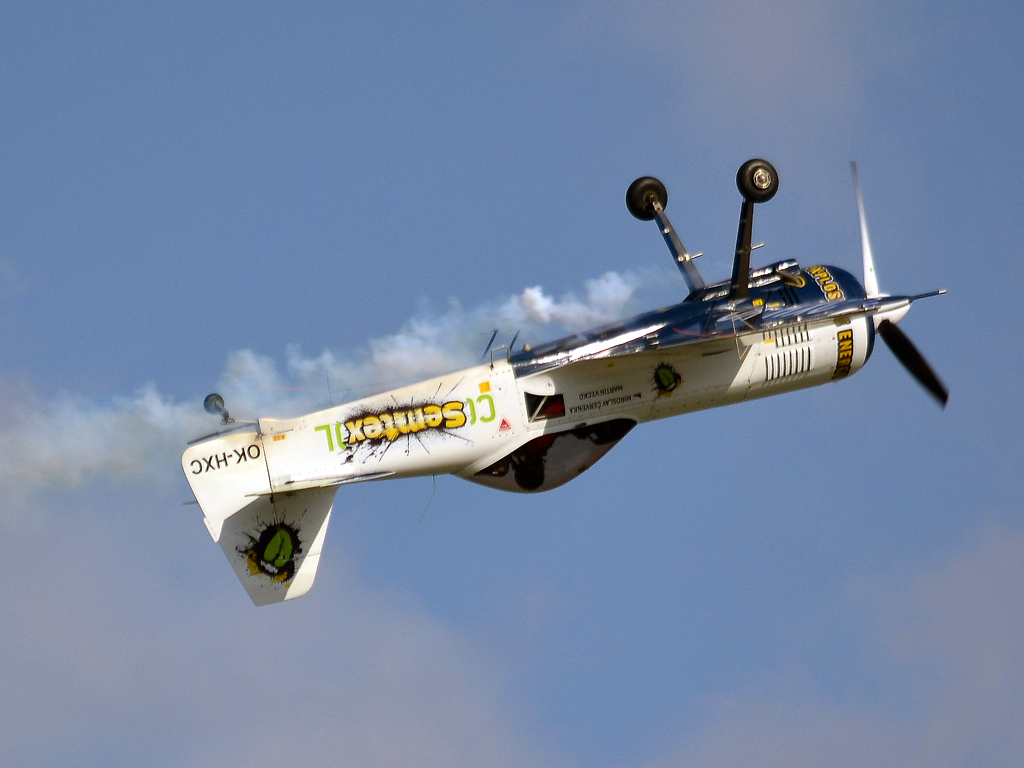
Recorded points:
(942, 647)
(745, 68)
(93, 658)
(63, 442)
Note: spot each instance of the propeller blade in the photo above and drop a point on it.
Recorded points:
(870, 278)
(912, 360)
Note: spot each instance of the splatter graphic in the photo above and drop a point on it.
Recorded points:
(377, 429)
(388, 425)
(666, 380)
(273, 553)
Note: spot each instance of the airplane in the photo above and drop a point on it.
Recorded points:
(531, 419)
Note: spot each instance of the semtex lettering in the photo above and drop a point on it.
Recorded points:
(391, 424)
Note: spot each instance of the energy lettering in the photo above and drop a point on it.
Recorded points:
(844, 356)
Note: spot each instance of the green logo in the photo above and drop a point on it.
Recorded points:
(273, 553)
(279, 550)
(666, 380)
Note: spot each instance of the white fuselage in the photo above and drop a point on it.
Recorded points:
(466, 421)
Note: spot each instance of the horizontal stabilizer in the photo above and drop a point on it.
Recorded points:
(323, 482)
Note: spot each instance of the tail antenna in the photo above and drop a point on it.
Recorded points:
(488, 348)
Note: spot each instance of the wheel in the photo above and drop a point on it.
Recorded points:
(757, 181)
(641, 195)
(529, 475)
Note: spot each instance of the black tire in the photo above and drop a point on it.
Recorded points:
(641, 195)
(757, 181)
(529, 475)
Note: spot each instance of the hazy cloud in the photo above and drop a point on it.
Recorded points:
(795, 69)
(60, 443)
(106, 638)
(942, 650)
(353, 676)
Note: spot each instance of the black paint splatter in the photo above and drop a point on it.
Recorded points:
(666, 380)
(274, 552)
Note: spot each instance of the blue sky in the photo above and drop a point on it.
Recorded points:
(259, 200)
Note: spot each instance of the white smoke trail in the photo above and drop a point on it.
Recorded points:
(63, 442)
(70, 439)
(426, 345)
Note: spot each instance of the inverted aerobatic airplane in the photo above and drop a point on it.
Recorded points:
(534, 418)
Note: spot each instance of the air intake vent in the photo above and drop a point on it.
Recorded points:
(788, 336)
(787, 363)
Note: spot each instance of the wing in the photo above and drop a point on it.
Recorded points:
(834, 309)
(692, 324)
